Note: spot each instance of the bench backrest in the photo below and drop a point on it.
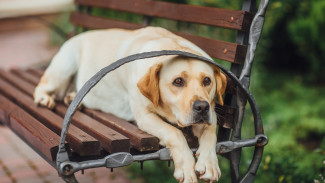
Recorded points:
(229, 19)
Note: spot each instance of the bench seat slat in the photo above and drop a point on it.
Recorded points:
(79, 141)
(227, 51)
(26, 76)
(30, 129)
(110, 140)
(232, 19)
(140, 140)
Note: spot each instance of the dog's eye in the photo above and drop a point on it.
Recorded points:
(206, 81)
(179, 82)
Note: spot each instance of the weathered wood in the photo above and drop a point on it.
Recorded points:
(92, 22)
(110, 140)
(141, 140)
(79, 141)
(26, 76)
(36, 71)
(227, 51)
(231, 19)
(34, 132)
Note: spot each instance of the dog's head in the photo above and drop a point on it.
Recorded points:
(182, 90)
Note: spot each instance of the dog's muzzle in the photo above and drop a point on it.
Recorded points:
(201, 112)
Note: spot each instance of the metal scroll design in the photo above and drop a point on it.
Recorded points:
(66, 168)
(254, 36)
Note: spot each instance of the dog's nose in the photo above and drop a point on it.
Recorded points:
(201, 107)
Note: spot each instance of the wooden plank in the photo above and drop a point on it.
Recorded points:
(232, 19)
(223, 50)
(79, 141)
(109, 139)
(34, 132)
(92, 22)
(227, 51)
(36, 72)
(139, 140)
(27, 76)
(4, 118)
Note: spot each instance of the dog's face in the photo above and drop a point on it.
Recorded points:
(182, 90)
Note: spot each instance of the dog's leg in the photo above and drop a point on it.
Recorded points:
(56, 78)
(207, 166)
(173, 139)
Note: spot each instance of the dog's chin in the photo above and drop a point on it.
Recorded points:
(182, 125)
(201, 122)
(198, 120)
(194, 123)
(193, 120)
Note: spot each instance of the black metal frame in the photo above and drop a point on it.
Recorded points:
(230, 149)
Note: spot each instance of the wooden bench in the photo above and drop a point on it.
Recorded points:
(94, 134)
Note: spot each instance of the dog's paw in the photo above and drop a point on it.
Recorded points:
(69, 98)
(207, 168)
(185, 175)
(45, 100)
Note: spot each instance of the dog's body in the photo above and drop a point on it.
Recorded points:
(180, 90)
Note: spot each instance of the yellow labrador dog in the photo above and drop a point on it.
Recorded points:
(152, 91)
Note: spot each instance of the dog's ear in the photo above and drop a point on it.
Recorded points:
(221, 80)
(149, 84)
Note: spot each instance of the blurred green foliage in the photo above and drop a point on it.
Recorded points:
(288, 82)
(294, 30)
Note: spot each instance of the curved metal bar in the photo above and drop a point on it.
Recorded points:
(62, 156)
(67, 169)
(254, 36)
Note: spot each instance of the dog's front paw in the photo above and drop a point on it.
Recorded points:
(44, 100)
(207, 167)
(185, 174)
(69, 98)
